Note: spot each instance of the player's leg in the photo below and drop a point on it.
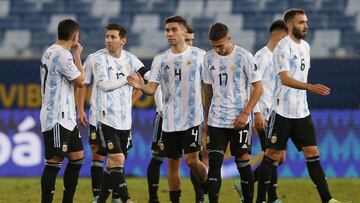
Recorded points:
(153, 170)
(198, 188)
(240, 145)
(52, 164)
(272, 190)
(304, 138)
(173, 151)
(72, 170)
(217, 141)
(279, 130)
(97, 163)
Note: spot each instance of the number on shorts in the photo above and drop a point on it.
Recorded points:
(243, 136)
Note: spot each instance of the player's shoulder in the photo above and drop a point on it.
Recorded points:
(305, 44)
(129, 54)
(197, 49)
(162, 55)
(283, 43)
(98, 53)
(262, 52)
(242, 53)
(210, 54)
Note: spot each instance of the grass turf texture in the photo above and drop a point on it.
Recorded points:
(27, 190)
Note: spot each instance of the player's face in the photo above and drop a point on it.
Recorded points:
(113, 41)
(189, 38)
(279, 35)
(175, 33)
(221, 46)
(299, 26)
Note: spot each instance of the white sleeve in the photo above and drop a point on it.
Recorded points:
(68, 67)
(206, 73)
(137, 64)
(110, 85)
(256, 108)
(281, 59)
(88, 69)
(155, 73)
(251, 69)
(158, 99)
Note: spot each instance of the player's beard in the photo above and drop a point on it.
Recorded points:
(298, 34)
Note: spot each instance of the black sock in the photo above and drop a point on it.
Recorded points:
(272, 196)
(214, 175)
(96, 176)
(256, 173)
(264, 176)
(153, 176)
(105, 186)
(175, 196)
(48, 179)
(199, 192)
(71, 176)
(247, 180)
(118, 183)
(318, 177)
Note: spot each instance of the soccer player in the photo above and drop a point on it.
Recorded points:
(110, 68)
(178, 70)
(60, 72)
(229, 72)
(265, 64)
(291, 118)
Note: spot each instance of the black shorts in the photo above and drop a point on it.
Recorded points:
(60, 141)
(94, 139)
(300, 130)
(157, 145)
(240, 140)
(186, 141)
(113, 141)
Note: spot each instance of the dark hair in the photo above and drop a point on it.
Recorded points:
(177, 19)
(278, 25)
(291, 13)
(190, 29)
(218, 31)
(66, 28)
(120, 28)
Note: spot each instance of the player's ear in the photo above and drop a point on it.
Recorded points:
(123, 41)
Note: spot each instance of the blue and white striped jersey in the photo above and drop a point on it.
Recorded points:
(230, 77)
(57, 70)
(295, 58)
(265, 63)
(180, 78)
(114, 107)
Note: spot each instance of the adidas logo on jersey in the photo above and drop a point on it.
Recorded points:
(167, 67)
(295, 57)
(212, 67)
(110, 68)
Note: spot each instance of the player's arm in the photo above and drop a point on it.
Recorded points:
(79, 81)
(208, 94)
(137, 82)
(136, 95)
(80, 102)
(293, 83)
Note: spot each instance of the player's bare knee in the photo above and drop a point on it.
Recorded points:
(310, 151)
(173, 164)
(116, 160)
(282, 157)
(243, 157)
(191, 160)
(76, 155)
(98, 157)
(273, 154)
(55, 159)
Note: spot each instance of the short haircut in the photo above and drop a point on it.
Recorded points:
(291, 13)
(278, 25)
(218, 31)
(120, 28)
(177, 19)
(190, 30)
(66, 28)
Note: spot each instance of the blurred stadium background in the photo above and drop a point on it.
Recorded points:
(29, 26)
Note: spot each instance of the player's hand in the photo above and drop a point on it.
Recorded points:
(136, 81)
(259, 121)
(161, 114)
(81, 119)
(77, 49)
(241, 120)
(320, 89)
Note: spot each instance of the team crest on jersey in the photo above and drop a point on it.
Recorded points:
(93, 135)
(188, 63)
(273, 138)
(212, 67)
(110, 145)
(69, 64)
(222, 67)
(64, 148)
(233, 69)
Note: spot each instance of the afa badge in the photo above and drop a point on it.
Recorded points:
(110, 145)
(273, 139)
(64, 148)
(93, 135)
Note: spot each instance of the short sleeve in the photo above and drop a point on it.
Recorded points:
(251, 69)
(206, 73)
(137, 64)
(67, 67)
(99, 68)
(155, 73)
(281, 59)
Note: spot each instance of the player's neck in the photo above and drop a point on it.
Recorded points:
(179, 48)
(295, 39)
(271, 45)
(65, 44)
(115, 54)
